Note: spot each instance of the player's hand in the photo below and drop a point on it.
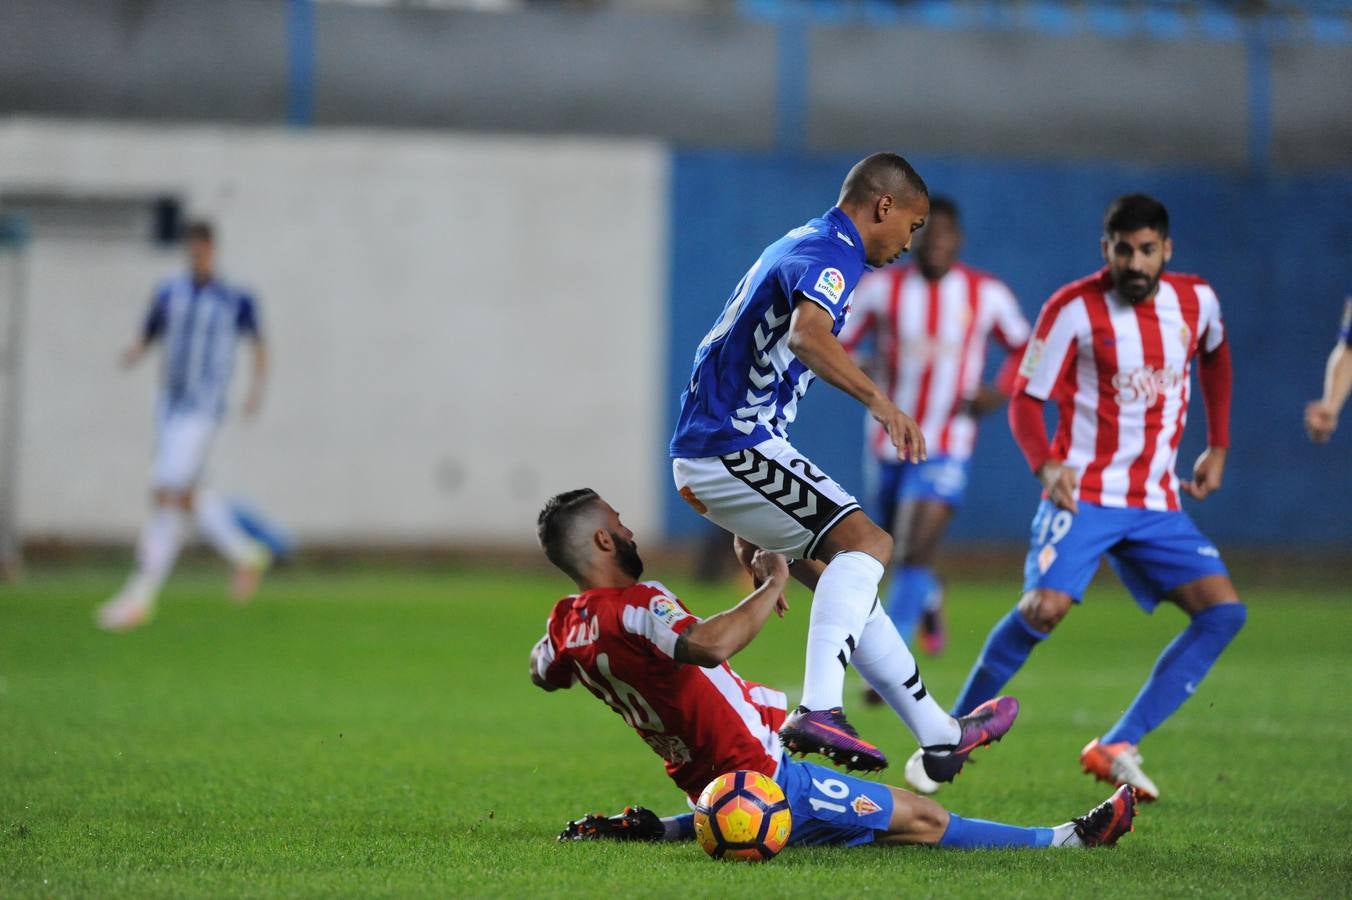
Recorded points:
(132, 355)
(902, 429)
(1206, 474)
(987, 400)
(1320, 421)
(773, 569)
(1058, 481)
(253, 402)
(748, 555)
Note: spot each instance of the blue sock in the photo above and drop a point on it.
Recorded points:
(679, 828)
(1180, 668)
(906, 597)
(1006, 650)
(977, 834)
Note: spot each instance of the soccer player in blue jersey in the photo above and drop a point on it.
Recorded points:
(199, 318)
(1321, 416)
(733, 463)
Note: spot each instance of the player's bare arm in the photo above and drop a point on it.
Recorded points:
(1321, 416)
(133, 354)
(718, 638)
(811, 340)
(253, 400)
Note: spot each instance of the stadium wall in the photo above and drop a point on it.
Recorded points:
(461, 325)
(1278, 249)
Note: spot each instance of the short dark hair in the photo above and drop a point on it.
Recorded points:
(941, 205)
(1133, 212)
(199, 230)
(881, 173)
(556, 521)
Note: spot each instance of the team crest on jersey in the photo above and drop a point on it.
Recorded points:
(1185, 335)
(1046, 558)
(666, 610)
(863, 805)
(1031, 357)
(830, 284)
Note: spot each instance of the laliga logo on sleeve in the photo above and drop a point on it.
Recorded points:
(830, 284)
(665, 610)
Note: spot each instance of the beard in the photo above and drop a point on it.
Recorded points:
(626, 555)
(1135, 287)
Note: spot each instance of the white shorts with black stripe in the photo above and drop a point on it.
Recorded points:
(769, 494)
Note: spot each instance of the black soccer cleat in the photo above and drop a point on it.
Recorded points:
(982, 726)
(634, 824)
(1105, 823)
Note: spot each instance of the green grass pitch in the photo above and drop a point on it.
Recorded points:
(372, 732)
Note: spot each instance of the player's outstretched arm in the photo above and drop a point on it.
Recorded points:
(1321, 416)
(717, 638)
(811, 340)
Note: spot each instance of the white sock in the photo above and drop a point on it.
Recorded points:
(218, 524)
(845, 593)
(890, 669)
(1065, 836)
(156, 551)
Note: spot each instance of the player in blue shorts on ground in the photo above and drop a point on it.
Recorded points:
(637, 648)
(733, 463)
(1115, 351)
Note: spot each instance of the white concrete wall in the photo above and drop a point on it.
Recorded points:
(461, 326)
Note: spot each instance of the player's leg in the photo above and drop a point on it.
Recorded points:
(888, 665)
(929, 494)
(916, 593)
(775, 498)
(1166, 548)
(177, 463)
(248, 557)
(1063, 554)
(830, 807)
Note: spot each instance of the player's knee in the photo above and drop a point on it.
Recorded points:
(917, 820)
(1043, 609)
(1226, 619)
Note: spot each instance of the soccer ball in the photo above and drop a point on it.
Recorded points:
(743, 816)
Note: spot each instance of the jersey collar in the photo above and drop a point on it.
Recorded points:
(843, 230)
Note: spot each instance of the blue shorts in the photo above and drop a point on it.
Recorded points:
(1152, 551)
(830, 807)
(941, 478)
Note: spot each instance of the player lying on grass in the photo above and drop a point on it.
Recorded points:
(665, 672)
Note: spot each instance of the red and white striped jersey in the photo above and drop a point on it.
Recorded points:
(703, 722)
(1120, 375)
(931, 346)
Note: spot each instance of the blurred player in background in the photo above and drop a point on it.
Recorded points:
(637, 648)
(1321, 416)
(1115, 351)
(732, 462)
(199, 318)
(930, 323)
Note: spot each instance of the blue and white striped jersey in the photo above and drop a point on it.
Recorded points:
(200, 326)
(746, 382)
